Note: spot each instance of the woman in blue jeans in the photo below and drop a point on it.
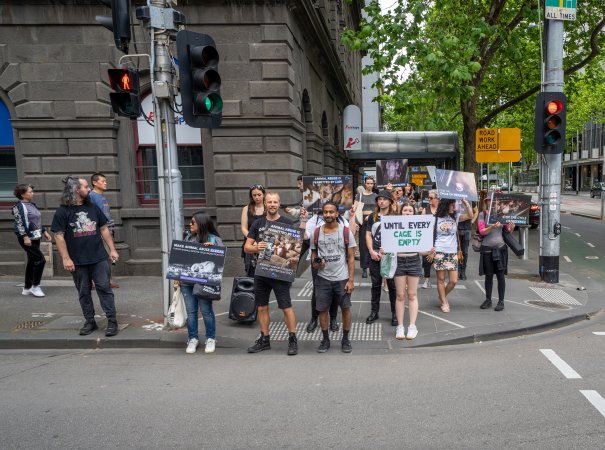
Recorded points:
(201, 229)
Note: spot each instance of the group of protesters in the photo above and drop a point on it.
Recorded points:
(82, 226)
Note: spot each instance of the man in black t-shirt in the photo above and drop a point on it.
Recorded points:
(263, 286)
(80, 228)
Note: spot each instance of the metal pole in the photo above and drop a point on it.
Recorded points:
(578, 162)
(551, 164)
(524, 241)
(602, 205)
(509, 180)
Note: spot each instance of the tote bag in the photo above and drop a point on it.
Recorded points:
(177, 313)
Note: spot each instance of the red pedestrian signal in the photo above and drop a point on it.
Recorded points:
(125, 101)
(549, 134)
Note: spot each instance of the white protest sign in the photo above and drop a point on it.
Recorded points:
(407, 234)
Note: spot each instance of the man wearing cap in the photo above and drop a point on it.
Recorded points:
(384, 201)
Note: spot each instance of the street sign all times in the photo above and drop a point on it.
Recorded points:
(560, 9)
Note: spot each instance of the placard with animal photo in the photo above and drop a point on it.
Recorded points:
(456, 185)
(392, 171)
(506, 208)
(319, 190)
(279, 260)
(196, 263)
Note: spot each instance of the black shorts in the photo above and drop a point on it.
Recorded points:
(327, 291)
(408, 265)
(262, 291)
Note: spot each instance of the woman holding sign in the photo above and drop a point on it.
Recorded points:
(493, 259)
(407, 275)
(445, 251)
(201, 229)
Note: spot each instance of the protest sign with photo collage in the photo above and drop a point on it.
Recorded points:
(407, 234)
(392, 171)
(279, 259)
(195, 263)
(456, 185)
(335, 188)
(506, 208)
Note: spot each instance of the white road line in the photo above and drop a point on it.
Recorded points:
(567, 258)
(480, 287)
(442, 319)
(597, 401)
(556, 361)
(599, 333)
(567, 228)
(578, 234)
(590, 245)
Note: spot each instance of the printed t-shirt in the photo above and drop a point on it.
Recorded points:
(81, 226)
(332, 250)
(446, 236)
(374, 227)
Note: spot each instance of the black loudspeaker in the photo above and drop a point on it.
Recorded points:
(243, 307)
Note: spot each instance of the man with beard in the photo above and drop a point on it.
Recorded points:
(263, 286)
(333, 256)
(80, 228)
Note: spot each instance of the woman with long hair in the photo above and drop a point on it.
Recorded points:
(406, 282)
(252, 211)
(444, 254)
(493, 258)
(201, 229)
(29, 231)
(368, 198)
(430, 209)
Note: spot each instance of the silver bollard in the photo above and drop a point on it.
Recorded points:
(602, 205)
(524, 241)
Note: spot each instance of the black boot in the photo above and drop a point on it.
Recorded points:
(262, 343)
(112, 327)
(372, 317)
(89, 327)
(499, 306)
(462, 274)
(312, 325)
(364, 273)
(486, 304)
(394, 322)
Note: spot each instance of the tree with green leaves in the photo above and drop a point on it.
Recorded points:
(458, 64)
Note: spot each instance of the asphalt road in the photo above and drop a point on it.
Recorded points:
(506, 394)
(582, 251)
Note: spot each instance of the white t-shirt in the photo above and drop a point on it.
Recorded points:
(447, 236)
(332, 250)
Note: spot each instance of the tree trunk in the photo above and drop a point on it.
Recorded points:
(469, 121)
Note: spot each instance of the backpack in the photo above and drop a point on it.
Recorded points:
(346, 237)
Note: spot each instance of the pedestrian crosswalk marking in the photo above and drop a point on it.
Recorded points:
(556, 296)
(359, 332)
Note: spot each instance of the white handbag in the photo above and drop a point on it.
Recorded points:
(177, 313)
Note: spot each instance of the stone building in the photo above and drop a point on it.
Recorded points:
(286, 80)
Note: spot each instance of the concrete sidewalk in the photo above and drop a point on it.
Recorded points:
(531, 306)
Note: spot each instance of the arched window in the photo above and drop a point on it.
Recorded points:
(8, 164)
(191, 160)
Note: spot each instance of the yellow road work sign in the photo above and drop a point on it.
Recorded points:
(497, 145)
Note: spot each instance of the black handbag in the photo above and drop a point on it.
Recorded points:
(513, 244)
(207, 292)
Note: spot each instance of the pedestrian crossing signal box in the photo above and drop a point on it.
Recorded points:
(125, 101)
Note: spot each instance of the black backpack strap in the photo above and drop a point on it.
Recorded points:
(346, 239)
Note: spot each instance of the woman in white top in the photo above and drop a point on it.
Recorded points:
(445, 251)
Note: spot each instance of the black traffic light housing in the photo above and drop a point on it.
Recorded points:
(550, 121)
(200, 80)
(125, 101)
(119, 22)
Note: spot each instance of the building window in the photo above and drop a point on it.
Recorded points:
(190, 157)
(8, 163)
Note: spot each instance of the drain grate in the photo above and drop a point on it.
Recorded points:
(556, 296)
(29, 325)
(549, 305)
(359, 332)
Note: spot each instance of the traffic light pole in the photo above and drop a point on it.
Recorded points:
(550, 165)
(169, 175)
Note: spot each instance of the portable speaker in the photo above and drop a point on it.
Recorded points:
(243, 307)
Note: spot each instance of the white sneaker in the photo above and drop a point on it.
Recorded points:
(192, 346)
(210, 345)
(426, 284)
(399, 332)
(37, 292)
(412, 332)
(26, 292)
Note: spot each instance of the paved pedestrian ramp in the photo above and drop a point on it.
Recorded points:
(558, 296)
(359, 332)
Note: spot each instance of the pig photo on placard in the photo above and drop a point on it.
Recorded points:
(392, 171)
(279, 260)
(456, 185)
(196, 263)
(319, 190)
(506, 208)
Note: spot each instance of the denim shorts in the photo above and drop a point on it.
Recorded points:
(408, 265)
(327, 291)
(263, 287)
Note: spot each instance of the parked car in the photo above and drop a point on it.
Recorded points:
(534, 215)
(597, 188)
